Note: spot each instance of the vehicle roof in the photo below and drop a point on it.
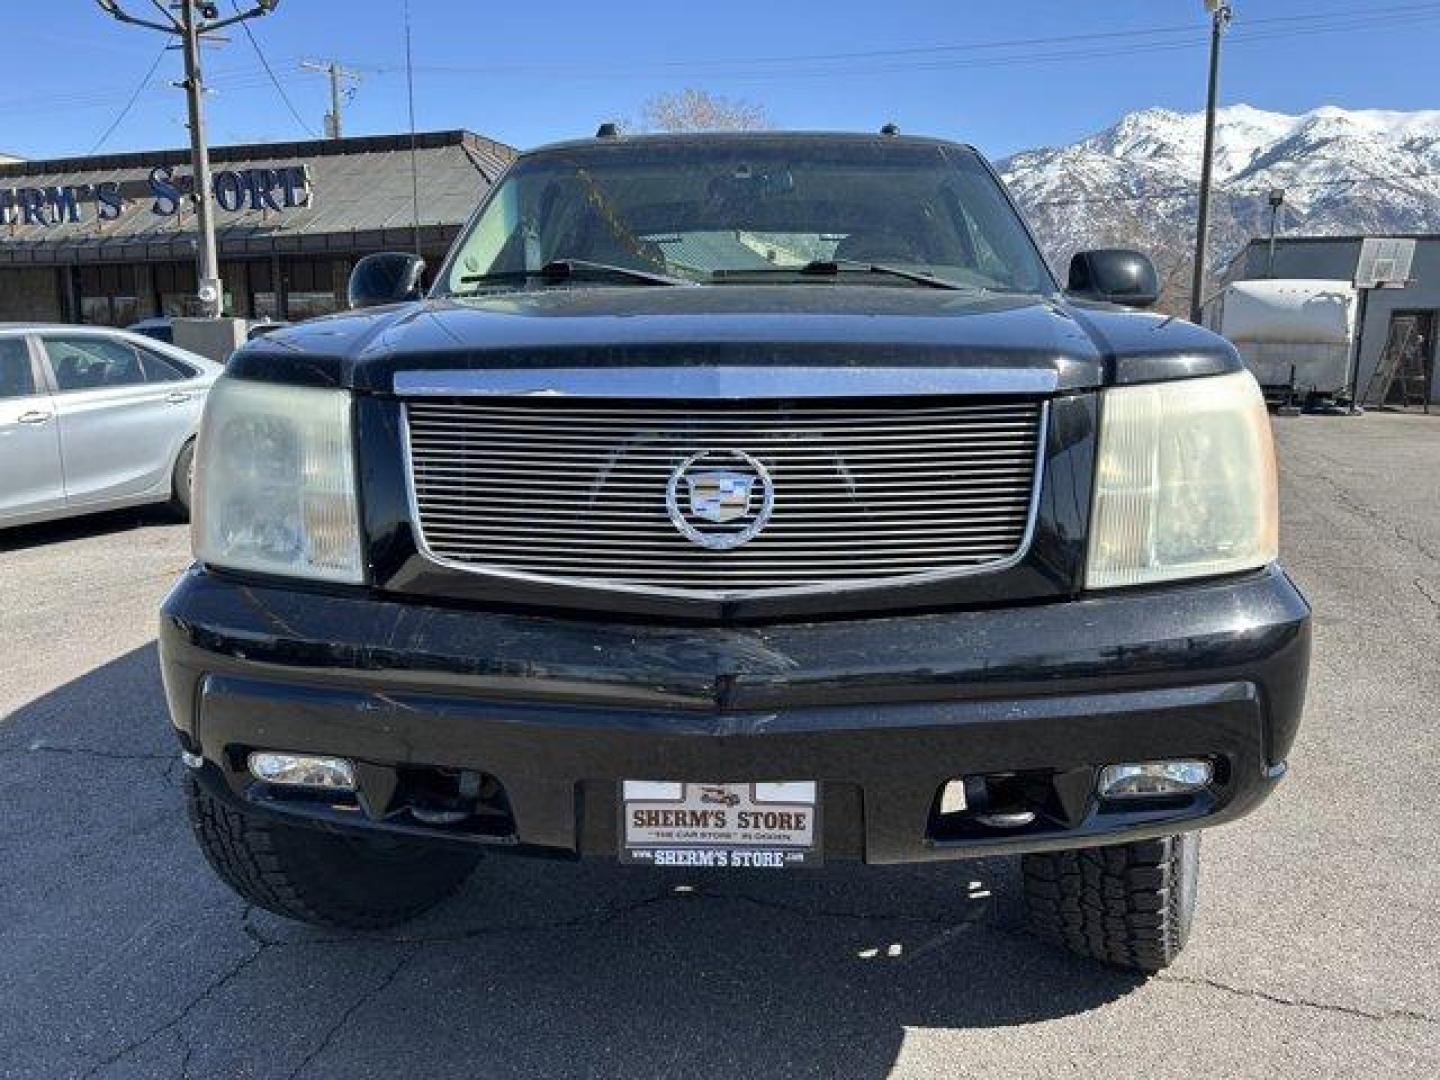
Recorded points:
(19, 324)
(203, 362)
(741, 137)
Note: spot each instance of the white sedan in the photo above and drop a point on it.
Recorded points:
(94, 419)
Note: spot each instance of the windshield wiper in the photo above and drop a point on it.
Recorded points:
(572, 270)
(835, 266)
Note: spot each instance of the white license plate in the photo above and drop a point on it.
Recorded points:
(673, 823)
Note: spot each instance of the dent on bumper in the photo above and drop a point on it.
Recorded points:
(882, 711)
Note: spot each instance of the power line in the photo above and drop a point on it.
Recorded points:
(237, 79)
(337, 76)
(1033, 51)
(1039, 50)
(134, 97)
(1068, 56)
(259, 53)
(1311, 25)
(823, 65)
(1178, 193)
(1186, 28)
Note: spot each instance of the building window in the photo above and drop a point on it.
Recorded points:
(187, 305)
(310, 289)
(124, 310)
(107, 295)
(307, 305)
(108, 310)
(266, 305)
(95, 310)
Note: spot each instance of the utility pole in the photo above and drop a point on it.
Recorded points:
(197, 18)
(209, 289)
(337, 75)
(1277, 200)
(1220, 15)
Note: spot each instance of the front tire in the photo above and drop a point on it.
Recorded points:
(182, 482)
(326, 878)
(1130, 905)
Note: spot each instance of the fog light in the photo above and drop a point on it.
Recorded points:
(1141, 779)
(952, 798)
(303, 770)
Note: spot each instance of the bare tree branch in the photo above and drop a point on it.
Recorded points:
(698, 110)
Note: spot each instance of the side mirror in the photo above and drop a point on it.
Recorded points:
(391, 277)
(1114, 275)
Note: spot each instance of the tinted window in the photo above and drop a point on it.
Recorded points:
(754, 211)
(93, 363)
(16, 378)
(159, 331)
(162, 369)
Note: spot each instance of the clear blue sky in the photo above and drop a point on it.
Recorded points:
(1000, 75)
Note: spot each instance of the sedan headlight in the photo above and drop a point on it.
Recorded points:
(275, 482)
(1185, 482)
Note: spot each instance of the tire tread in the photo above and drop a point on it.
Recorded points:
(1128, 905)
(283, 868)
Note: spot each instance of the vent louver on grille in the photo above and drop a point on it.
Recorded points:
(576, 491)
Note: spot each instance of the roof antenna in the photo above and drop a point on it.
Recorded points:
(608, 130)
(890, 129)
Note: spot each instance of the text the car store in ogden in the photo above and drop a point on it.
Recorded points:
(234, 190)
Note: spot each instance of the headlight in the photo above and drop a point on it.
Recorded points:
(275, 482)
(1185, 482)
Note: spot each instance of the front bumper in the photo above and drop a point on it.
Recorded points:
(882, 711)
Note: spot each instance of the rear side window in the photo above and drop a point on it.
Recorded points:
(93, 363)
(162, 369)
(16, 378)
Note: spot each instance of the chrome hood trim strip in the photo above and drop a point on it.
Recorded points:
(726, 383)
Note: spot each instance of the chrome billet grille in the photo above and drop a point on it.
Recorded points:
(576, 491)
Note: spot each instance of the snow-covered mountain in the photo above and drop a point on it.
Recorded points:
(1134, 184)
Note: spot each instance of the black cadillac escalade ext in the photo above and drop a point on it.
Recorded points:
(736, 501)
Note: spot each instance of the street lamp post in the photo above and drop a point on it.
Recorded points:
(1220, 14)
(197, 18)
(1277, 200)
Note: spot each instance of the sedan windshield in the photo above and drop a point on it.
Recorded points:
(759, 211)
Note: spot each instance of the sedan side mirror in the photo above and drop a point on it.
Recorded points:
(1116, 276)
(391, 277)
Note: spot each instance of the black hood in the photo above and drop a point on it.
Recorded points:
(821, 324)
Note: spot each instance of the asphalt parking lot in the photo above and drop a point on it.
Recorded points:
(1315, 952)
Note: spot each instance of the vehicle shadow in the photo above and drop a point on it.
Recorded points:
(128, 956)
(21, 537)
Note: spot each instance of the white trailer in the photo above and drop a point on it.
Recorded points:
(1296, 335)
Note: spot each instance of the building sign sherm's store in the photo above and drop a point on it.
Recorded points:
(284, 188)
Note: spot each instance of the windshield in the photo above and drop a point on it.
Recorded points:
(751, 211)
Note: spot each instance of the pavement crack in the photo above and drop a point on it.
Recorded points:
(1371, 515)
(86, 751)
(355, 1006)
(172, 1025)
(592, 920)
(832, 913)
(589, 921)
(1425, 590)
(1379, 1015)
(250, 930)
(187, 1051)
